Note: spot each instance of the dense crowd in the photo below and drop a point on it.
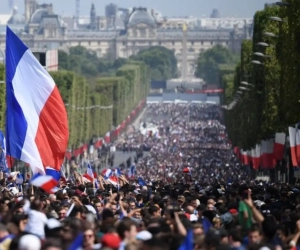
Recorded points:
(187, 191)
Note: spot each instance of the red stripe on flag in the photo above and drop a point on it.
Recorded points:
(52, 134)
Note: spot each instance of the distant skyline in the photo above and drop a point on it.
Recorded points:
(196, 8)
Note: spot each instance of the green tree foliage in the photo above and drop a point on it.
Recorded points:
(83, 61)
(272, 103)
(94, 108)
(161, 61)
(209, 61)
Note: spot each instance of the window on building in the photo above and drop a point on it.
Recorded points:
(212, 43)
(173, 43)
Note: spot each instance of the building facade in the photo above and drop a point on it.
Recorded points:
(43, 29)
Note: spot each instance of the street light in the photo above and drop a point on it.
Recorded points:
(246, 83)
(275, 18)
(263, 44)
(243, 88)
(269, 34)
(261, 54)
(257, 62)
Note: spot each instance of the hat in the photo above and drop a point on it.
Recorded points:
(233, 211)
(226, 218)
(53, 223)
(29, 242)
(181, 198)
(144, 235)
(111, 240)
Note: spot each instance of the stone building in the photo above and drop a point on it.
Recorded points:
(43, 29)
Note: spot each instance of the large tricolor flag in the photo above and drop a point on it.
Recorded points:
(36, 119)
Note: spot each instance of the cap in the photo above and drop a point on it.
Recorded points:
(226, 218)
(29, 242)
(53, 223)
(233, 211)
(144, 235)
(111, 240)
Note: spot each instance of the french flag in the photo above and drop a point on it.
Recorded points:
(294, 134)
(107, 137)
(267, 154)
(114, 180)
(36, 118)
(45, 182)
(53, 172)
(118, 172)
(89, 175)
(106, 173)
(278, 149)
(131, 172)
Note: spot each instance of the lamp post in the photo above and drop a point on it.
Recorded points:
(276, 18)
(256, 62)
(269, 34)
(261, 54)
(263, 44)
(247, 83)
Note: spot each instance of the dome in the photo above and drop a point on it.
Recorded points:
(141, 15)
(16, 18)
(37, 15)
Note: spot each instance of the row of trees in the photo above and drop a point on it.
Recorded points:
(272, 101)
(161, 61)
(211, 62)
(93, 109)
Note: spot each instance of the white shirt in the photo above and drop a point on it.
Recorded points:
(36, 221)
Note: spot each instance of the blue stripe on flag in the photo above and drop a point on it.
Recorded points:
(16, 124)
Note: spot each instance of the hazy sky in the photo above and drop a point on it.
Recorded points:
(238, 8)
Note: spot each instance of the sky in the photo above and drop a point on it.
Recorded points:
(197, 8)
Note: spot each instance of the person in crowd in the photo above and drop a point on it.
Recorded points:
(184, 190)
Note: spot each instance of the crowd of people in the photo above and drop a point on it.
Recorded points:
(187, 192)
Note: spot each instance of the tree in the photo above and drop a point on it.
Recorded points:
(83, 61)
(209, 61)
(161, 61)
